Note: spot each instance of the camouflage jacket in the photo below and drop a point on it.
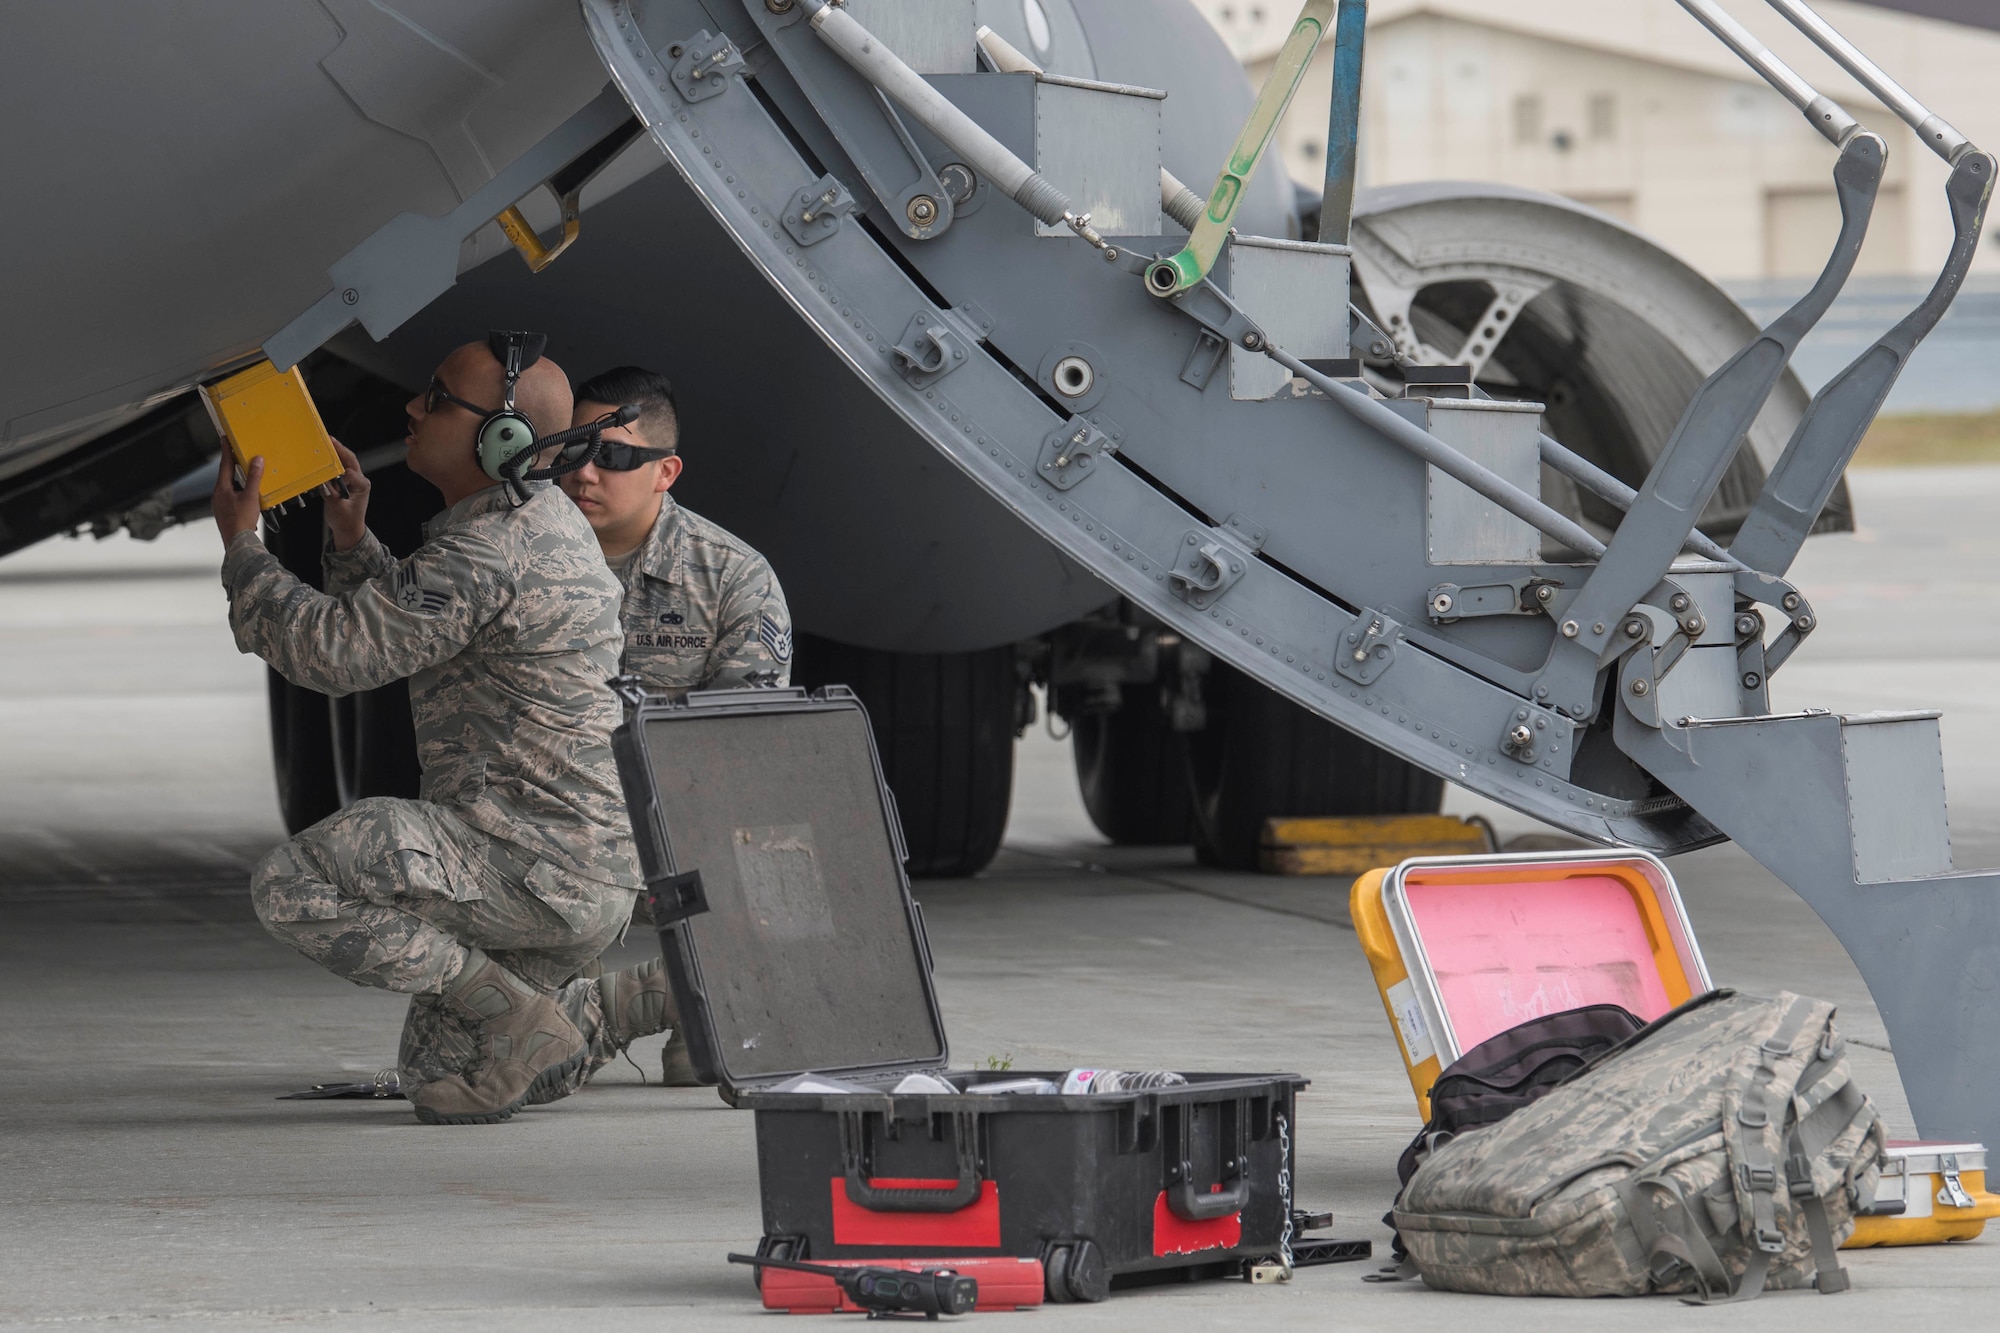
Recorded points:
(703, 610)
(506, 624)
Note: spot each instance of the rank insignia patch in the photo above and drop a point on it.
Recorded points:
(776, 638)
(411, 597)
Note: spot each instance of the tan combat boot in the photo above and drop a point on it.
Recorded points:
(529, 1043)
(637, 1003)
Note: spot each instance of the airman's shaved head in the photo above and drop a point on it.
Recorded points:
(442, 442)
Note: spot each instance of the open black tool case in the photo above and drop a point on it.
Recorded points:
(774, 863)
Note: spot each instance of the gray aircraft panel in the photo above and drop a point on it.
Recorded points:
(197, 166)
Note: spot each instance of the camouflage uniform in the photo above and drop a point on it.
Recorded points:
(506, 625)
(703, 610)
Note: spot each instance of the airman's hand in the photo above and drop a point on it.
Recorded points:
(346, 501)
(236, 508)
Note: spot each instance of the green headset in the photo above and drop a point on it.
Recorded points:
(506, 443)
(506, 437)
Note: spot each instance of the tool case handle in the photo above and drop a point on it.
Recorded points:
(853, 1152)
(1191, 1206)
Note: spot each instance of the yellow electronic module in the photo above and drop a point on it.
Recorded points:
(266, 411)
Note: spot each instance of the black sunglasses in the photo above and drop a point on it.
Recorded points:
(614, 456)
(437, 394)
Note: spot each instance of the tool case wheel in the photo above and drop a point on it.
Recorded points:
(778, 1247)
(1074, 1271)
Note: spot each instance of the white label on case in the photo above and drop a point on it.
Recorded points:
(1410, 1025)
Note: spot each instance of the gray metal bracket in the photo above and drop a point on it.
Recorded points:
(1202, 359)
(1639, 687)
(1449, 602)
(703, 65)
(923, 209)
(1535, 735)
(1210, 561)
(1366, 339)
(1368, 648)
(935, 343)
(1207, 306)
(1691, 466)
(1071, 451)
(1753, 673)
(815, 212)
(412, 260)
(1757, 589)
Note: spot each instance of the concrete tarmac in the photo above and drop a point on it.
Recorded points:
(148, 1175)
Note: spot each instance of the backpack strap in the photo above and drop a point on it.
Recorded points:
(1680, 1242)
(1828, 1276)
(1765, 1103)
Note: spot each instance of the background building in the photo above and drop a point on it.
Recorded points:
(1631, 107)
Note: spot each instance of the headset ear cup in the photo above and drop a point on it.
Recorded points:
(503, 437)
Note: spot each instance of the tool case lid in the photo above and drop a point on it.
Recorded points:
(809, 955)
(1492, 941)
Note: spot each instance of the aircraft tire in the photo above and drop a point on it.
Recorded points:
(1262, 756)
(327, 753)
(1131, 772)
(944, 727)
(301, 755)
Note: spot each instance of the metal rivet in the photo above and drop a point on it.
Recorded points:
(1640, 686)
(1751, 680)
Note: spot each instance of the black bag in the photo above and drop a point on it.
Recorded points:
(1507, 1072)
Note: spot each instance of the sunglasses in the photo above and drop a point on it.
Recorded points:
(614, 456)
(437, 394)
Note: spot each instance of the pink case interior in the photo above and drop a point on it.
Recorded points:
(1505, 953)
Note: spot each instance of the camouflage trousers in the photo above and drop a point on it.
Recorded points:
(396, 893)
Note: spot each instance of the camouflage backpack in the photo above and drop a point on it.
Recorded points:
(1722, 1150)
